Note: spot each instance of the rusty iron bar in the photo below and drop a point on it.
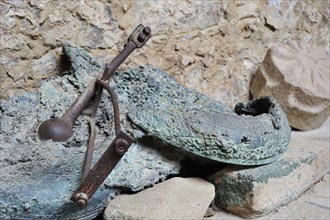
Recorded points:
(109, 159)
(102, 169)
(93, 178)
(91, 142)
(60, 129)
(90, 148)
(137, 39)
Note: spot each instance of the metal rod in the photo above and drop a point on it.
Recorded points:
(119, 59)
(60, 129)
(90, 148)
(114, 104)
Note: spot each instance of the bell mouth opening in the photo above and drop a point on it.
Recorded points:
(255, 107)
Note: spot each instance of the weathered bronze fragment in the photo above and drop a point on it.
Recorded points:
(254, 133)
(39, 177)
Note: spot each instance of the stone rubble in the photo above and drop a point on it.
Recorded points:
(298, 76)
(176, 198)
(212, 46)
(25, 158)
(254, 191)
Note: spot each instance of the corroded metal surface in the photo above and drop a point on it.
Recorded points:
(39, 177)
(61, 129)
(255, 133)
(224, 137)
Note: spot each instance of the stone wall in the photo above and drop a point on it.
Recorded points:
(213, 46)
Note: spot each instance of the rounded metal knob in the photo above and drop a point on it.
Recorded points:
(55, 129)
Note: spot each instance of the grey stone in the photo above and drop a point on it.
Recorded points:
(177, 198)
(312, 204)
(148, 162)
(43, 66)
(297, 75)
(255, 191)
(98, 14)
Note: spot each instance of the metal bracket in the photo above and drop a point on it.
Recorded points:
(102, 169)
(140, 35)
(118, 147)
(93, 178)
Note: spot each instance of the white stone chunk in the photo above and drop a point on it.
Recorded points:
(177, 198)
(298, 76)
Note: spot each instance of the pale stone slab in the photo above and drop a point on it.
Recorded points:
(313, 204)
(177, 198)
(256, 191)
(298, 76)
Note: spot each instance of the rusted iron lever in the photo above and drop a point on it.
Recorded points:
(102, 169)
(93, 178)
(60, 129)
(137, 39)
(108, 160)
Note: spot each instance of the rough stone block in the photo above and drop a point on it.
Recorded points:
(297, 75)
(255, 191)
(312, 204)
(177, 198)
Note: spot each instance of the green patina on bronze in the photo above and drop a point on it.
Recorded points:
(254, 133)
(160, 113)
(220, 136)
(197, 124)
